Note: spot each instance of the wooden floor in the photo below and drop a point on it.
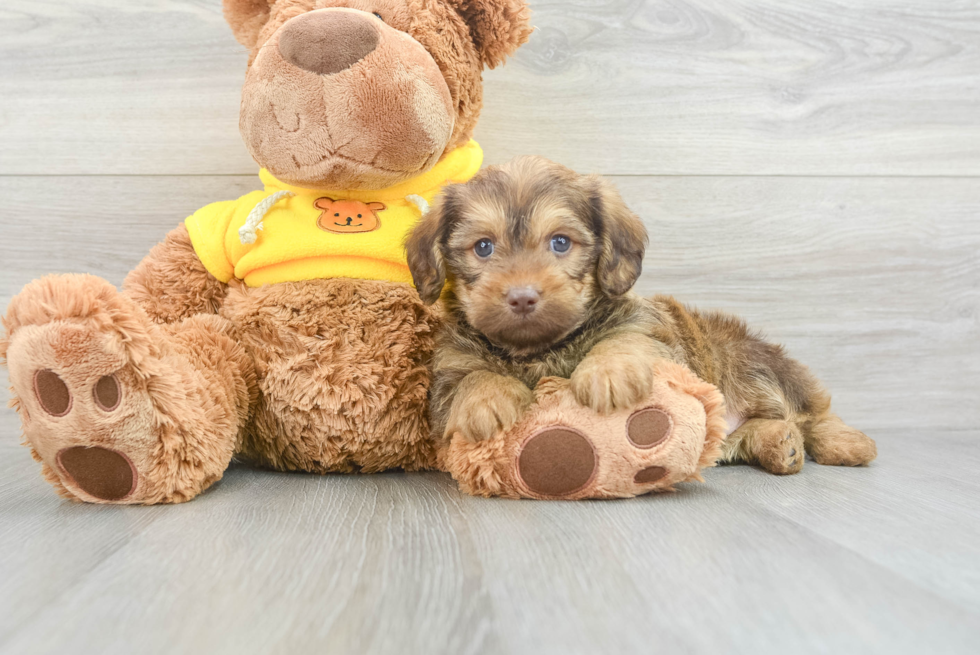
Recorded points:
(811, 165)
(882, 560)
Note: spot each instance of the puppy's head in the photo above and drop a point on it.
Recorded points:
(527, 248)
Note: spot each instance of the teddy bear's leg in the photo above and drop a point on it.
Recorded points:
(341, 372)
(560, 449)
(117, 408)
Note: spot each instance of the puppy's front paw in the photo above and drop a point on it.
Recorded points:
(612, 382)
(489, 409)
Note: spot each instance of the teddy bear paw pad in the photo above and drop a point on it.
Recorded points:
(100, 472)
(557, 462)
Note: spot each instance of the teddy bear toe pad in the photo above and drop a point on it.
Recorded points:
(52, 393)
(650, 474)
(649, 427)
(107, 393)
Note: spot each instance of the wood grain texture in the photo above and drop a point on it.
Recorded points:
(619, 86)
(873, 282)
(743, 87)
(884, 559)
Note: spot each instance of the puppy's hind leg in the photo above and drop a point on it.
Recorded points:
(832, 442)
(775, 445)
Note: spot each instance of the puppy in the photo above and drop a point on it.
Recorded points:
(534, 265)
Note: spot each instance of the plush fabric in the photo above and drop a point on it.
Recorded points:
(560, 449)
(302, 239)
(185, 389)
(424, 99)
(300, 346)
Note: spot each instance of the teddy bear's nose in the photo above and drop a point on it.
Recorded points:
(328, 41)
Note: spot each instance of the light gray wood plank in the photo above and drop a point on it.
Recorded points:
(911, 512)
(778, 87)
(99, 225)
(874, 282)
(695, 572)
(616, 86)
(109, 86)
(267, 562)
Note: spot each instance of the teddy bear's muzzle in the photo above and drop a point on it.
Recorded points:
(328, 42)
(338, 99)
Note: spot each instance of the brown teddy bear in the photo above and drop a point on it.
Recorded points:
(282, 328)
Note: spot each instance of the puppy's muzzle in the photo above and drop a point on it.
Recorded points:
(523, 300)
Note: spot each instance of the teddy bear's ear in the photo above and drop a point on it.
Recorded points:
(246, 18)
(498, 27)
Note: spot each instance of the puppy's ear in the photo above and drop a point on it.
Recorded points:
(425, 254)
(247, 18)
(498, 27)
(623, 238)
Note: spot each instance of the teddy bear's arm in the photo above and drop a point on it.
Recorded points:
(172, 284)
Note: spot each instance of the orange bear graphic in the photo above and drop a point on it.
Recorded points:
(348, 216)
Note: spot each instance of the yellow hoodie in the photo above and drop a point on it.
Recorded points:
(302, 234)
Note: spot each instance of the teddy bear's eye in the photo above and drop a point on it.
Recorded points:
(379, 17)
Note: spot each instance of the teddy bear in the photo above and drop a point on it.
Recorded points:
(282, 328)
(560, 450)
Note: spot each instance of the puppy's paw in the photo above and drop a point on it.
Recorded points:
(612, 382)
(489, 409)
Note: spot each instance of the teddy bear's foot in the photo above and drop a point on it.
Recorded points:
(561, 461)
(117, 409)
(562, 450)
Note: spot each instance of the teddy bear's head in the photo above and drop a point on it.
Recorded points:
(365, 94)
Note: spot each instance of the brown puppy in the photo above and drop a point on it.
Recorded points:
(537, 264)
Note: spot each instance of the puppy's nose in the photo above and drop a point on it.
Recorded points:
(523, 300)
(328, 41)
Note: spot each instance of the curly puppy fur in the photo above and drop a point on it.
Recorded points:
(534, 265)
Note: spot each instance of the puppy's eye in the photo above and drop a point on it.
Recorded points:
(379, 17)
(483, 248)
(560, 244)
